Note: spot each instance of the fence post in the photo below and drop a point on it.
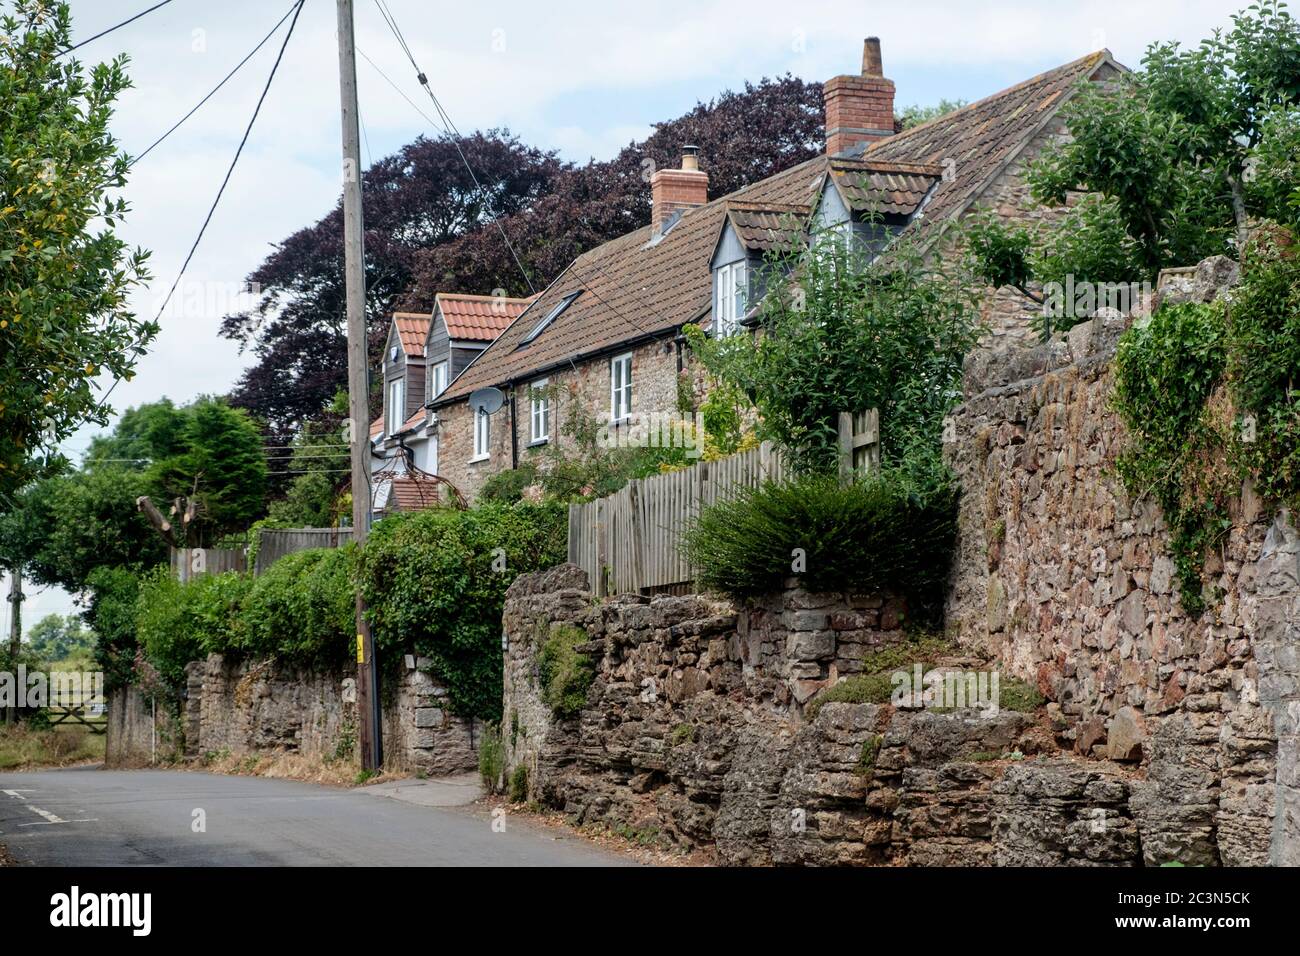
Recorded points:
(638, 539)
(859, 443)
(602, 547)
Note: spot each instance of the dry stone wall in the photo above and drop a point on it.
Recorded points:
(693, 735)
(1065, 577)
(1164, 738)
(244, 707)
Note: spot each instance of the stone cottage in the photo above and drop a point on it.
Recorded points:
(608, 330)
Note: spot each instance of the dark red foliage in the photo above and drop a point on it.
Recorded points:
(429, 230)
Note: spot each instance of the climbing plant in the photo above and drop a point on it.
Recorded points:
(1210, 394)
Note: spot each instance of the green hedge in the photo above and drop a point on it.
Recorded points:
(883, 533)
(302, 610)
(435, 583)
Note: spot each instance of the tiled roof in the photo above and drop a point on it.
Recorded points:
(412, 330)
(377, 427)
(634, 288)
(478, 318)
(766, 228)
(975, 141)
(401, 492)
(884, 189)
(414, 421)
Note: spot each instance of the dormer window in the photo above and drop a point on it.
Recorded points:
(730, 297)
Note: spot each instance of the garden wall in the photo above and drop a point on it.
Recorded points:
(1162, 738)
(693, 735)
(240, 708)
(1068, 580)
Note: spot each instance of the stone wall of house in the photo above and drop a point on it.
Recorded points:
(1066, 578)
(586, 384)
(254, 707)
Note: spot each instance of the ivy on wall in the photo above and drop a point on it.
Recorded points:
(1210, 394)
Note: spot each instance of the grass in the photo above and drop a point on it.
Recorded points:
(23, 747)
(875, 684)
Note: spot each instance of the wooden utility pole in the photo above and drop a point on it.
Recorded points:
(372, 745)
(15, 628)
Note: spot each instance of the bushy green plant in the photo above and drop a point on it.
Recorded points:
(177, 623)
(1165, 372)
(435, 583)
(507, 486)
(565, 672)
(838, 333)
(302, 610)
(519, 785)
(876, 534)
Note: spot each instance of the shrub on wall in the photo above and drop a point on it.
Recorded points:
(177, 623)
(1209, 394)
(435, 584)
(302, 610)
(884, 532)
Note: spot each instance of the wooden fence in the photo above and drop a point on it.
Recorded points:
(630, 540)
(190, 563)
(274, 543)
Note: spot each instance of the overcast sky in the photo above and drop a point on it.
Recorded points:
(583, 78)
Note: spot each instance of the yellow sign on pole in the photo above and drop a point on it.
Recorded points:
(361, 649)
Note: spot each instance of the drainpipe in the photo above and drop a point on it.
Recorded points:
(514, 430)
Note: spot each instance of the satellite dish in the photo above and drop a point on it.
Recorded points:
(488, 399)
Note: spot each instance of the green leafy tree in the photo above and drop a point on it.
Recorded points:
(63, 528)
(1179, 156)
(65, 275)
(839, 333)
(221, 465)
(56, 637)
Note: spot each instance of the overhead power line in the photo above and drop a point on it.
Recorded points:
(453, 133)
(297, 9)
(103, 33)
(238, 66)
(224, 182)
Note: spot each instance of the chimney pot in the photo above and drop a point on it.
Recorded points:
(871, 65)
(690, 157)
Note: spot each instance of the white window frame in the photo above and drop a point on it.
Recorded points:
(731, 292)
(539, 412)
(437, 379)
(620, 387)
(396, 404)
(482, 435)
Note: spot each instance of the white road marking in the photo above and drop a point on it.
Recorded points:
(48, 817)
(17, 794)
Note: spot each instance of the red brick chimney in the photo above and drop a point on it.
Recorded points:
(859, 109)
(673, 190)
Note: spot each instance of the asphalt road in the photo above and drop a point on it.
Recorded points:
(92, 817)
